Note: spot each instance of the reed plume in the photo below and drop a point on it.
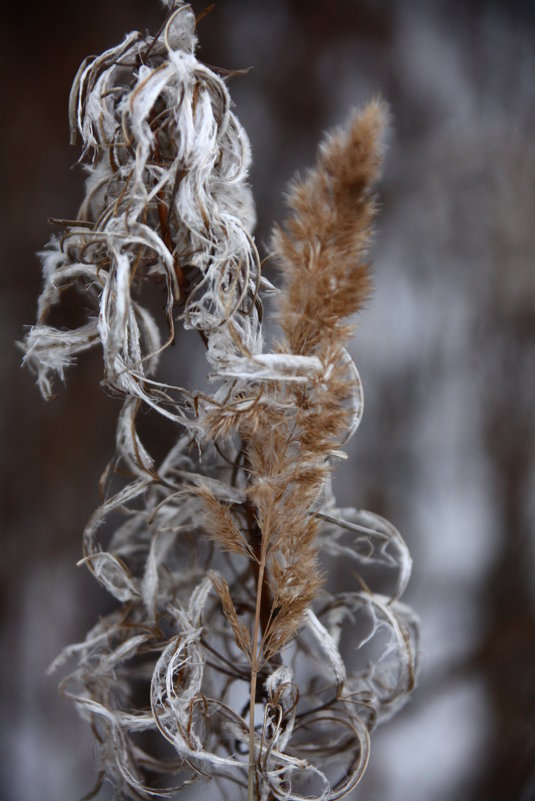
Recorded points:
(224, 658)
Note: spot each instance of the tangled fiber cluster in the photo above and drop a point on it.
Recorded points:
(248, 644)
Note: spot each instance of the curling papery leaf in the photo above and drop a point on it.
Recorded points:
(279, 780)
(58, 272)
(179, 32)
(118, 501)
(85, 103)
(93, 639)
(327, 644)
(190, 188)
(177, 457)
(116, 752)
(114, 309)
(122, 652)
(401, 552)
(230, 724)
(113, 575)
(161, 543)
(184, 658)
(48, 351)
(181, 665)
(198, 600)
(274, 367)
(283, 699)
(392, 675)
(374, 540)
(224, 493)
(116, 234)
(151, 336)
(349, 738)
(211, 305)
(150, 515)
(355, 405)
(138, 106)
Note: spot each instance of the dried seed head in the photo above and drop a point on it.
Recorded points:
(220, 554)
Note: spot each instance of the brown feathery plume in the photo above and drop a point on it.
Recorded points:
(321, 253)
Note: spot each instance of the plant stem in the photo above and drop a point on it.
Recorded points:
(256, 655)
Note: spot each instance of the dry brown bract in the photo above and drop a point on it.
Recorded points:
(226, 658)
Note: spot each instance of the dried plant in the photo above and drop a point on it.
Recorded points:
(224, 659)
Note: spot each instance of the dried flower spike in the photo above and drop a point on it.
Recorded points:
(227, 657)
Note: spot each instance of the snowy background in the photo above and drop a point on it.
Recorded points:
(446, 351)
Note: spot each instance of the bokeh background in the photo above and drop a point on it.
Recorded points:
(446, 351)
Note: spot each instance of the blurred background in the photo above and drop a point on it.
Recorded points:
(446, 351)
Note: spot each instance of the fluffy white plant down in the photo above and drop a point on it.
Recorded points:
(167, 201)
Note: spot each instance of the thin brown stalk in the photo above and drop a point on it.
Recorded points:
(256, 655)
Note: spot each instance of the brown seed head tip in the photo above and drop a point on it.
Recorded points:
(322, 247)
(352, 155)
